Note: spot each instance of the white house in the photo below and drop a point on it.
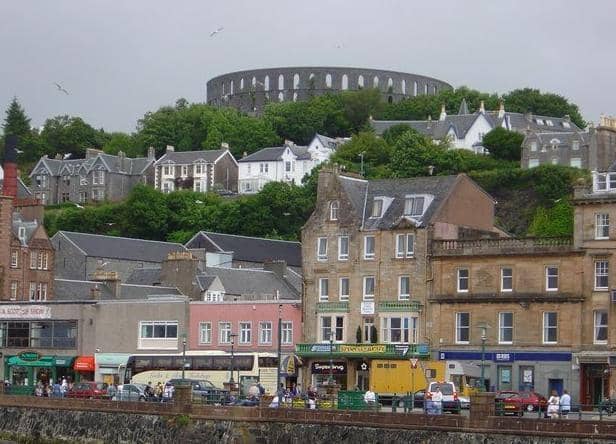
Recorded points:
(288, 163)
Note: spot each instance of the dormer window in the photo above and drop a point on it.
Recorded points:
(414, 206)
(575, 145)
(533, 146)
(377, 208)
(604, 182)
(333, 210)
(549, 123)
(601, 182)
(21, 233)
(566, 124)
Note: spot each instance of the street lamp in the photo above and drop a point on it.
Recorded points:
(278, 391)
(183, 355)
(330, 381)
(484, 338)
(231, 381)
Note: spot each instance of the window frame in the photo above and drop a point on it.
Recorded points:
(404, 296)
(344, 256)
(547, 327)
(202, 330)
(344, 297)
(408, 329)
(323, 297)
(286, 330)
(408, 245)
(602, 268)
(598, 327)
(334, 207)
(502, 328)
(369, 256)
(503, 277)
(226, 331)
(263, 329)
(460, 279)
(459, 328)
(548, 276)
(245, 334)
(322, 257)
(333, 326)
(600, 227)
(367, 296)
(410, 205)
(14, 258)
(376, 204)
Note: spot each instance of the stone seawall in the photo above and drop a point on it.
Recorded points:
(70, 426)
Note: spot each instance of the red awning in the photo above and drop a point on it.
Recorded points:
(84, 364)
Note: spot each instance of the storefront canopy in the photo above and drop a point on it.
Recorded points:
(42, 361)
(111, 359)
(84, 364)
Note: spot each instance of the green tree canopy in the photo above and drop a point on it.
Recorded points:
(66, 134)
(504, 144)
(545, 104)
(16, 122)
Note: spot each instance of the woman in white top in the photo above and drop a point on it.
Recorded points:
(553, 405)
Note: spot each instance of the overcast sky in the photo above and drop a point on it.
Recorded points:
(120, 59)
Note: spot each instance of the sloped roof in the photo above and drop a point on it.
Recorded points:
(96, 245)
(564, 138)
(29, 226)
(23, 192)
(76, 290)
(274, 154)
(144, 276)
(249, 282)
(132, 166)
(183, 157)
(249, 249)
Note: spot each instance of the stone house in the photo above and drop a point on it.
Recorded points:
(571, 148)
(200, 171)
(96, 178)
(365, 253)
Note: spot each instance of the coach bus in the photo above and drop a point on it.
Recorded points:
(213, 366)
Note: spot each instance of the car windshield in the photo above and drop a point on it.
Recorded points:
(446, 389)
(206, 384)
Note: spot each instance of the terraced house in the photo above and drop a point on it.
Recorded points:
(365, 252)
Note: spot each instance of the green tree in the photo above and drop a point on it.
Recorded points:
(545, 104)
(145, 214)
(16, 122)
(413, 154)
(504, 144)
(358, 106)
(127, 143)
(554, 221)
(66, 134)
(376, 154)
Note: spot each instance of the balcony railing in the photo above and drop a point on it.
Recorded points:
(332, 307)
(501, 246)
(400, 351)
(404, 306)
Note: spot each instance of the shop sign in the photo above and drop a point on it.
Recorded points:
(321, 348)
(503, 357)
(25, 312)
(367, 308)
(362, 348)
(323, 368)
(29, 356)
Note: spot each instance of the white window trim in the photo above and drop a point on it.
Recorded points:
(407, 296)
(201, 325)
(220, 331)
(282, 329)
(369, 256)
(158, 343)
(322, 257)
(334, 207)
(597, 216)
(468, 280)
(344, 257)
(405, 253)
(241, 332)
(607, 274)
(323, 298)
(503, 289)
(545, 336)
(547, 281)
(271, 332)
(500, 327)
(365, 296)
(341, 297)
(457, 339)
(333, 317)
(595, 326)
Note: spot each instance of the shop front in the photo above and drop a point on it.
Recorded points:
(84, 368)
(24, 370)
(109, 367)
(596, 369)
(323, 371)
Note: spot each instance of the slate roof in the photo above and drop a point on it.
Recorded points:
(132, 166)
(564, 138)
(96, 245)
(184, 157)
(249, 249)
(76, 290)
(247, 282)
(30, 227)
(144, 276)
(360, 191)
(23, 192)
(274, 154)
(327, 142)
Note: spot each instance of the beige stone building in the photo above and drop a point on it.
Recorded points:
(365, 250)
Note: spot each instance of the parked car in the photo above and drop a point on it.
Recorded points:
(203, 390)
(131, 392)
(419, 398)
(89, 390)
(465, 402)
(451, 403)
(519, 402)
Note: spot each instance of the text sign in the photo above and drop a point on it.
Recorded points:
(25, 312)
(503, 357)
(367, 308)
(337, 368)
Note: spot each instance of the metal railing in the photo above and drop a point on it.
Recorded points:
(604, 410)
(500, 245)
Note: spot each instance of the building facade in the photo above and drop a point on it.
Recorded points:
(96, 178)
(200, 171)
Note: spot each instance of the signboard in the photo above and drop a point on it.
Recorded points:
(323, 368)
(25, 312)
(503, 357)
(361, 348)
(414, 362)
(401, 349)
(29, 356)
(367, 308)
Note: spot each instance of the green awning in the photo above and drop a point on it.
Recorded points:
(43, 361)
(64, 361)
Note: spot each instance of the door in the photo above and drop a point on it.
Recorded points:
(527, 378)
(363, 380)
(555, 384)
(504, 377)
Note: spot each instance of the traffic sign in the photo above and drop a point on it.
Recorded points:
(414, 362)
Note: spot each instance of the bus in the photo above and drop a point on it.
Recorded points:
(213, 366)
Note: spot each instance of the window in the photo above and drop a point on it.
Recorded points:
(197, 186)
(41, 180)
(264, 167)
(575, 162)
(245, 332)
(287, 166)
(213, 296)
(369, 246)
(506, 279)
(369, 284)
(463, 328)
(32, 292)
(65, 197)
(405, 245)
(45, 261)
(600, 317)
(344, 289)
(224, 332)
(265, 332)
(21, 233)
(332, 325)
(554, 161)
(158, 334)
(205, 333)
(533, 146)
(533, 163)
(550, 327)
(505, 328)
(404, 288)
(551, 278)
(184, 170)
(333, 210)
(166, 170)
(463, 277)
(83, 196)
(414, 206)
(602, 226)
(322, 249)
(399, 329)
(83, 180)
(575, 145)
(369, 330)
(98, 177)
(343, 248)
(377, 208)
(41, 291)
(323, 289)
(33, 259)
(601, 275)
(601, 182)
(566, 124)
(199, 168)
(287, 332)
(97, 194)
(14, 291)
(14, 258)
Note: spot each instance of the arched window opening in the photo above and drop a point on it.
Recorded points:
(280, 81)
(360, 81)
(375, 82)
(415, 88)
(231, 87)
(426, 89)
(266, 83)
(345, 82)
(334, 206)
(403, 85)
(296, 81)
(242, 83)
(390, 99)
(328, 80)
(254, 82)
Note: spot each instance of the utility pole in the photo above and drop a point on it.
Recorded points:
(361, 168)
(279, 392)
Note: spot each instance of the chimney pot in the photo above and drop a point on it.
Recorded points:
(170, 148)
(151, 153)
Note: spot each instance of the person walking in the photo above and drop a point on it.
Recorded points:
(565, 404)
(553, 405)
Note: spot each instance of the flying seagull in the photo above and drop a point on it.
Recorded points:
(213, 33)
(60, 88)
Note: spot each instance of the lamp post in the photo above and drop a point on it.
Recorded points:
(183, 355)
(484, 337)
(278, 391)
(231, 381)
(330, 380)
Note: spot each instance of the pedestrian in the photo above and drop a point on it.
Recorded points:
(437, 401)
(565, 404)
(553, 405)
(294, 391)
(64, 387)
(312, 397)
(112, 391)
(370, 398)
(261, 389)
(158, 391)
(56, 390)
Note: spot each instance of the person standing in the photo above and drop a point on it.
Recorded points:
(437, 400)
(565, 404)
(553, 405)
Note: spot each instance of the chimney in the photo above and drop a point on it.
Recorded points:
(567, 117)
(151, 153)
(9, 187)
(111, 279)
(278, 267)
(482, 108)
(245, 154)
(95, 292)
(170, 149)
(59, 156)
(501, 110)
(92, 152)
(122, 159)
(443, 113)
(179, 270)
(224, 146)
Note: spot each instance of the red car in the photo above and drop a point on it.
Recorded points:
(89, 390)
(519, 402)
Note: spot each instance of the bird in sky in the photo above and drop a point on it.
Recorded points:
(60, 88)
(213, 33)
(339, 46)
